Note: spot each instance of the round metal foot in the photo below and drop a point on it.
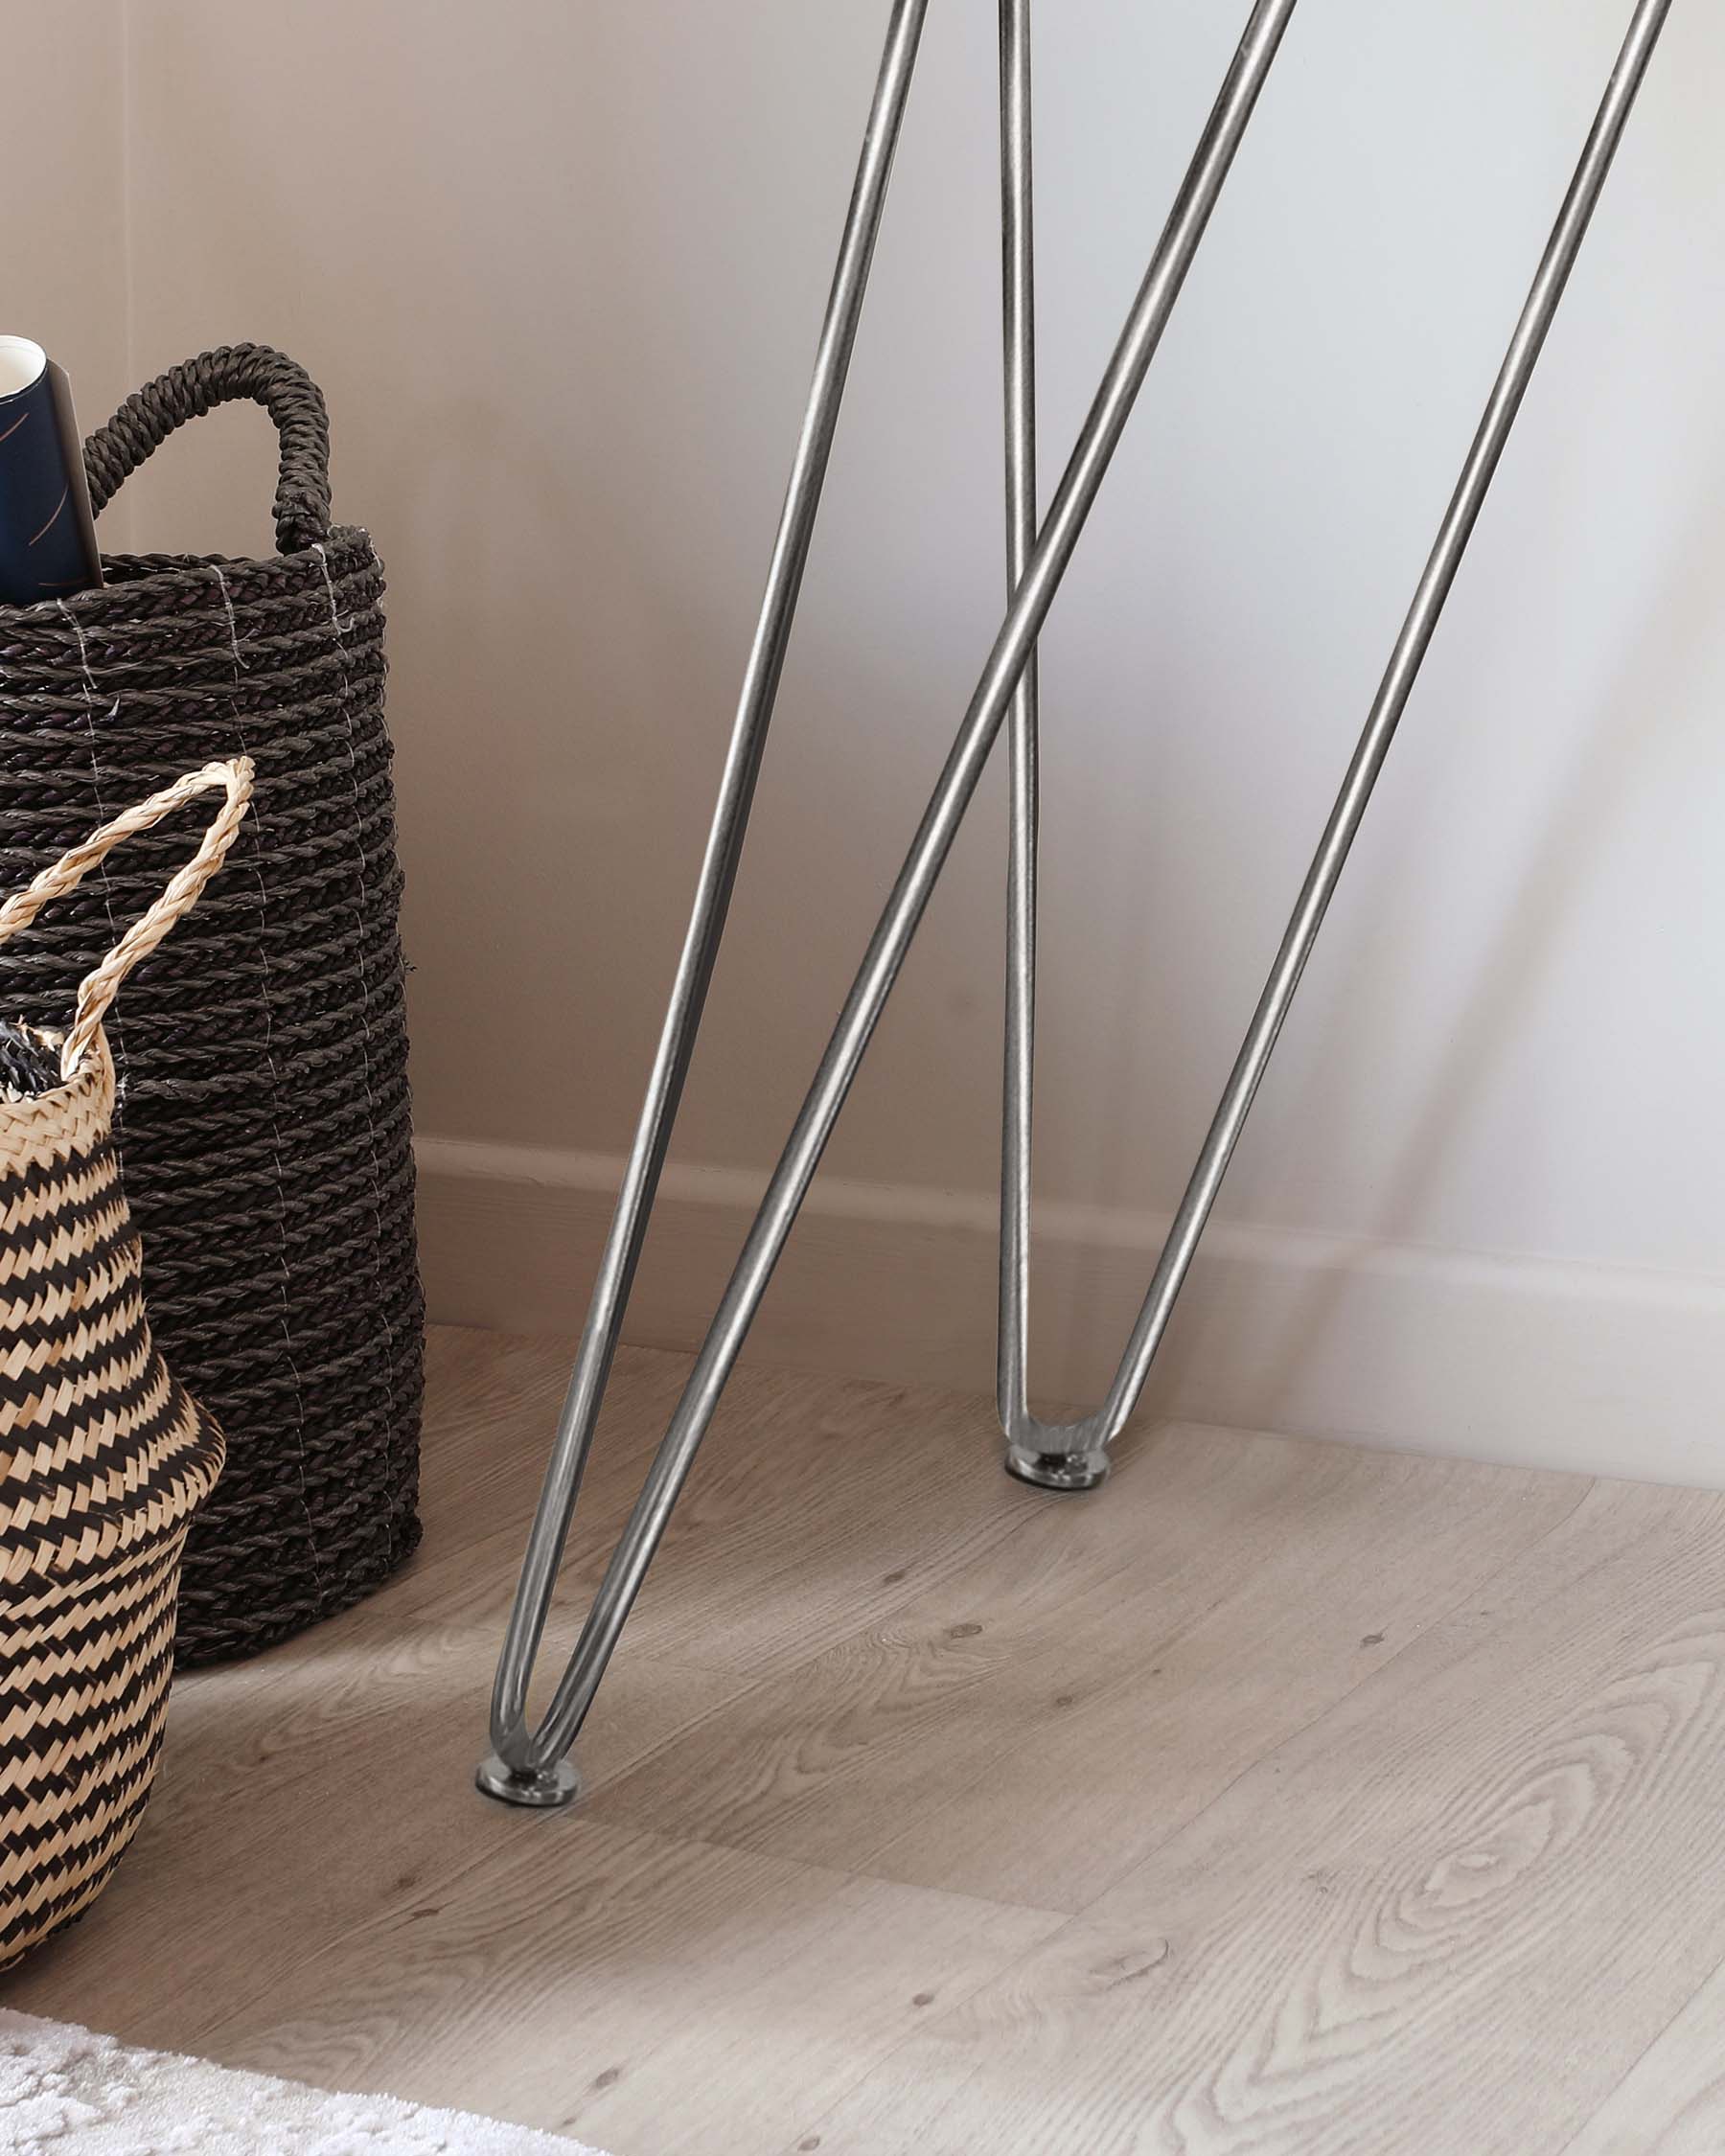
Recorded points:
(1057, 1471)
(559, 1784)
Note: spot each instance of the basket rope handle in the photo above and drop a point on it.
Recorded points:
(287, 392)
(98, 987)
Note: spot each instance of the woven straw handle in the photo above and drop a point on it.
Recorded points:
(98, 989)
(287, 392)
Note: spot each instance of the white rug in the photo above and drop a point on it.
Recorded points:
(65, 2091)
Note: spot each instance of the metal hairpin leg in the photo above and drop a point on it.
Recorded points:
(531, 1766)
(1075, 1455)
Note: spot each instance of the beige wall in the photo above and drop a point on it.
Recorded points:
(62, 92)
(558, 268)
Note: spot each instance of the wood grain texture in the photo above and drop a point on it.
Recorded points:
(1451, 1912)
(1282, 1800)
(1121, 1662)
(627, 1987)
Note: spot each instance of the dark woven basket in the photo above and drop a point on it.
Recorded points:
(265, 1114)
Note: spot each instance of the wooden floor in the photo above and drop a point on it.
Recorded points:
(1281, 1796)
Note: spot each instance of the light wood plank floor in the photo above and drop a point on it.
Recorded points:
(1280, 1798)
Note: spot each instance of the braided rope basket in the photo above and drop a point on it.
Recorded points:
(103, 1456)
(263, 1107)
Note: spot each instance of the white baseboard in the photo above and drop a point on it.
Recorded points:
(1602, 1369)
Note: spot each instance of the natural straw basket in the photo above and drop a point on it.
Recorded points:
(104, 1457)
(263, 1106)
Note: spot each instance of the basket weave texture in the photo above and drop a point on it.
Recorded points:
(105, 1459)
(265, 1114)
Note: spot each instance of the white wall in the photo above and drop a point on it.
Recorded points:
(560, 268)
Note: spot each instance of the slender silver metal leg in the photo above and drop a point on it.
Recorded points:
(1033, 1452)
(521, 1769)
(1073, 1455)
(1053, 1456)
(529, 1766)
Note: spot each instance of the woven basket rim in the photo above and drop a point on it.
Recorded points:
(94, 1079)
(143, 575)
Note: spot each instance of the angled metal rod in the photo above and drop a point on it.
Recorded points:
(529, 1767)
(520, 1769)
(1094, 1434)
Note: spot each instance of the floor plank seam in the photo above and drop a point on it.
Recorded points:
(1579, 2139)
(338, 1949)
(766, 1852)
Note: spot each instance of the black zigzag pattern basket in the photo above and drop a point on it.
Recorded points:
(105, 1458)
(264, 1114)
